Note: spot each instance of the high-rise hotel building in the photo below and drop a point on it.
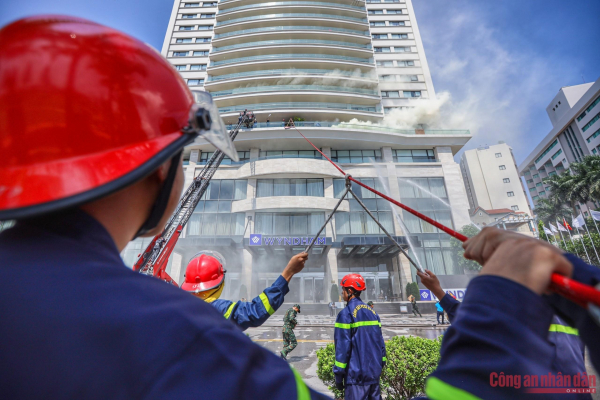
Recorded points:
(323, 63)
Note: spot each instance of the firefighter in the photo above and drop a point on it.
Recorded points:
(93, 126)
(359, 347)
(205, 278)
(289, 323)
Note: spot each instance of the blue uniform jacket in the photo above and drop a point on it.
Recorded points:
(493, 334)
(359, 345)
(78, 324)
(254, 313)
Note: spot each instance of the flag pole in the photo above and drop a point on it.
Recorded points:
(571, 236)
(561, 236)
(584, 249)
(591, 240)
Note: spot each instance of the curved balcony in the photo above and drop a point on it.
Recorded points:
(308, 72)
(325, 30)
(263, 18)
(277, 88)
(291, 57)
(228, 4)
(323, 21)
(366, 46)
(292, 3)
(301, 105)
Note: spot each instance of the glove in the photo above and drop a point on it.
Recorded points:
(339, 385)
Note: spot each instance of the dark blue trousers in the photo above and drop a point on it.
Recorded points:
(360, 392)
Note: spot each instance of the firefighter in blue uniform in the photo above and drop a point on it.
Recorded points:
(359, 347)
(520, 338)
(93, 127)
(205, 278)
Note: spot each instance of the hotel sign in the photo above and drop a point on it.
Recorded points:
(257, 239)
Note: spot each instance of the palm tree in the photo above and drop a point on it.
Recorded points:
(552, 209)
(562, 188)
(586, 185)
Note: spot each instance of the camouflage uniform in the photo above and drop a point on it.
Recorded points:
(289, 339)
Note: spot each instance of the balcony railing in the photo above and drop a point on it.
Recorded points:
(292, 41)
(261, 18)
(320, 88)
(298, 105)
(291, 28)
(293, 56)
(292, 3)
(291, 71)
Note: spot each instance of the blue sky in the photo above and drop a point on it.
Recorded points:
(501, 61)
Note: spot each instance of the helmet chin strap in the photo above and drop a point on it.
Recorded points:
(162, 200)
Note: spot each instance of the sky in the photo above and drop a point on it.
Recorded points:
(499, 62)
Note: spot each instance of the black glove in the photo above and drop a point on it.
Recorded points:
(339, 385)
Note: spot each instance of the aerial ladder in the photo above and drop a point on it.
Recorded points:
(153, 261)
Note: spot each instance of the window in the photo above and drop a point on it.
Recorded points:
(506, 180)
(385, 63)
(594, 136)
(412, 94)
(203, 40)
(535, 198)
(401, 49)
(498, 155)
(393, 11)
(205, 27)
(207, 16)
(289, 187)
(413, 156)
(356, 156)
(388, 110)
(391, 94)
(198, 67)
(375, 12)
(510, 194)
(538, 184)
(377, 23)
(180, 53)
(201, 53)
(181, 67)
(209, 4)
(529, 180)
(189, 16)
(282, 224)
(399, 36)
(536, 176)
(542, 193)
(396, 23)
(186, 28)
(537, 160)
(357, 222)
(191, 5)
(380, 36)
(594, 151)
(244, 157)
(406, 63)
(514, 208)
(266, 155)
(502, 167)
(195, 82)
(558, 153)
(587, 110)
(186, 40)
(383, 49)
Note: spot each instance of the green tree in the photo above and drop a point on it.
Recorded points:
(413, 288)
(468, 265)
(542, 234)
(586, 182)
(552, 209)
(334, 294)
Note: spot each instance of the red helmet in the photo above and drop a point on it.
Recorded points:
(354, 281)
(86, 110)
(204, 274)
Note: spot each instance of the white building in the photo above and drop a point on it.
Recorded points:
(575, 116)
(491, 179)
(323, 63)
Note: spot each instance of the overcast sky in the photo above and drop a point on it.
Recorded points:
(500, 61)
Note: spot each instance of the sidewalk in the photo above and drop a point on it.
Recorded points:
(386, 320)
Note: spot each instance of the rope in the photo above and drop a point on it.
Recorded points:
(572, 290)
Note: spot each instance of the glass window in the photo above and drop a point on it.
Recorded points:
(408, 63)
(207, 16)
(412, 93)
(377, 23)
(514, 208)
(186, 28)
(191, 5)
(393, 11)
(209, 4)
(383, 49)
(205, 27)
(198, 67)
(396, 23)
(511, 194)
(356, 156)
(263, 155)
(380, 36)
(506, 180)
(289, 223)
(184, 40)
(390, 94)
(195, 82)
(413, 156)
(399, 36)
(385, 63)
(502, 167)
(180, 53)
(203, 40)
(290, 187)
(181, 67)
(201, 53)
(189, 16)
(498, 155)
(375, 12)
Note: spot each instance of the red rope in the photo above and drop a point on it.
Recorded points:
(577, 292)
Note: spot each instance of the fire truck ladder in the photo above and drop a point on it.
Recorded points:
(154, 259)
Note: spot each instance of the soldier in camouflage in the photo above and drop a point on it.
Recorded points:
(289, 323)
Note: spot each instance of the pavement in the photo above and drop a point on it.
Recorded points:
(316, 331)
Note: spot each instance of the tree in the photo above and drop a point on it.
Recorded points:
(586, 182)
(413, 289)
(552, 209)
(468, 265)
(334, 294)
(541, 232)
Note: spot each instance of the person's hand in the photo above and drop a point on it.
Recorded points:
(526, 261)
(481, 247)
(339, 385)
(295, 265)
(431, 282)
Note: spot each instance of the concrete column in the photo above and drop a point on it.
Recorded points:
(455, 186)
(326, 151)
(331, 270)
(394, 194)
(194, 157)
(246, 275)
(386, 153)
(397, 280)
(254, 154)
(404, 272)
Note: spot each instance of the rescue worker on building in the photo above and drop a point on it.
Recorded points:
(289, 323)
(415, 308)
(205, 278)
(359, 347)
(492, 334)
(93, 126)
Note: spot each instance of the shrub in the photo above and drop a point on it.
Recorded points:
(410, 360)
(334, 294)
(413, 288)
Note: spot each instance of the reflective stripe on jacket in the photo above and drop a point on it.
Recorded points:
(359, 345)
(254, 313)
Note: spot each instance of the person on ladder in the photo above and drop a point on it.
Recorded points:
(205, 278)
(359, 347)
